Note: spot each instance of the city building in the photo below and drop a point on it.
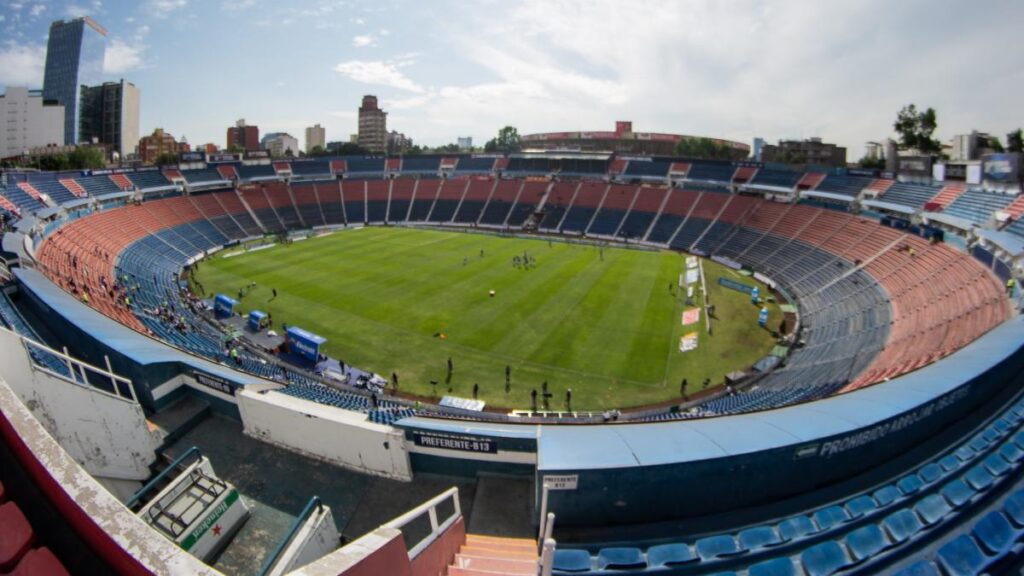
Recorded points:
(243, 136)
(157, 143)
(972, 146)
(373, 131)
(755, 153)
(280, 144)
(398, 143)
(315, 136)
(810, 151)
(74, 57)
(465, 143)
(874, 150)
(623, 140)
(110, 116)
(30, 121)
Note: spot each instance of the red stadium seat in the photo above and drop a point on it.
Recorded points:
(40, 562)
(16, 536)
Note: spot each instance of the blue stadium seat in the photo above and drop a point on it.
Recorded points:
(620, 559)
(670, 555)
(887, 495)
(824, 559)
(717, 546)
(774, 567)
(1011, 453)
(949, 463)
(932, 509)
(909, 484)
(920, 568)
(995, 533)
(1014, 507)
(961, 557)
(831, 516)
(571, 561)
(902, 524)
(958, 493)
(759, 537)
(861, 505)
(979, 477)
(931, 472)
(866, 541)
(995, 464)
(796, 527)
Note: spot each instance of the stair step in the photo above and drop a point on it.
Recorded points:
(503, 565)
(456, 571)
(493, 551)
(479, 538)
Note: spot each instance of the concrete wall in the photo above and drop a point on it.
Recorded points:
(324, 432)
(104, 433)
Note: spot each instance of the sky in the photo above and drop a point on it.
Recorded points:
(444, 69)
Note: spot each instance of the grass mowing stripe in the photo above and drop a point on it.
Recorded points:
(599, 327)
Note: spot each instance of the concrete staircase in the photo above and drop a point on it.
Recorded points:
(492, 555)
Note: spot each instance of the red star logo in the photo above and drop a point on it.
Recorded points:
(217, 530)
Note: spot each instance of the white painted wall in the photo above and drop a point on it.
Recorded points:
(105, 434)
(327, 433)
(317, 537)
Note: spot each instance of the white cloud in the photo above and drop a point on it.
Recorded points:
(37, 9)
(164, 8)
(363, 41)
(22, 65)
(236, 5)
(379, 72)
(122, 57)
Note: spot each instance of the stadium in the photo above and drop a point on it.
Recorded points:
(878, 430)
(574, 353)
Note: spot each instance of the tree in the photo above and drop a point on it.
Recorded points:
(447, 149)
(317, 150)
(704, 148)
(871, 163)
(1014, 141)
(166, 159)
(87, 157)
(507, 140)
(346, 149)
(916, 128)
(236, 149)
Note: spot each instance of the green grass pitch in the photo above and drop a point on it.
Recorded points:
(602, 322)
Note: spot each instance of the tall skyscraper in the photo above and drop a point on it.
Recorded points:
(110, 115)
(74, 57)
(315, 136)
(373, 130)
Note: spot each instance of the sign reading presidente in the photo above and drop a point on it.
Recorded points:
(454, 442)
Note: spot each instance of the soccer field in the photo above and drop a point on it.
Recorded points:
(602, 322)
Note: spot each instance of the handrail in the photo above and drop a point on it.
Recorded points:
(193, 451)
(80, 376)
(268, 564)
(436, 528)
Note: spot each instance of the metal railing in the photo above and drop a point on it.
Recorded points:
(314, 504)
(102, 380)
(192, 452)
(437, 527)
